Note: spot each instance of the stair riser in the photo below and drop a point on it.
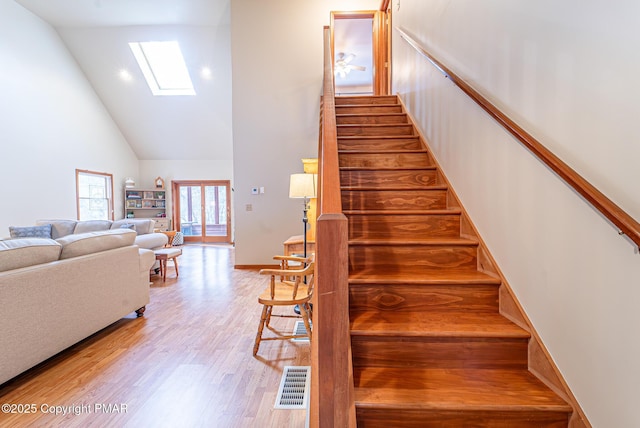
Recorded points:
(429, 346)
(443, 353)
(394, 199)
(414, 258)
(403, 226)
(374, 130)
(440, 418)
(382, 179)
(423, 298)
(365, 100)
(406, 143)
(384, 160)
(372, 108)
(371, 119)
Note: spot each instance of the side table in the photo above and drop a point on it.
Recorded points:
(295, 245)
(164, 254)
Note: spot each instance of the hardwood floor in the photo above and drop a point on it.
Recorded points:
(186, 363)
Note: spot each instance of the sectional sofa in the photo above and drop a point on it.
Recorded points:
(54, 292)
(144, 228)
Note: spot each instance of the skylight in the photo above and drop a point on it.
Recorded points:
(164, 68)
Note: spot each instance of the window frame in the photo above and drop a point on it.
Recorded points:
(108, 178)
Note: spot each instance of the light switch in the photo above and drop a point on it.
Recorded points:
(262, 190)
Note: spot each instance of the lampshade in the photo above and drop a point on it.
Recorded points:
(302, 185)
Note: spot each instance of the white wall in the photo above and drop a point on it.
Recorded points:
(277, 74)
(51, 122)
(565, 71)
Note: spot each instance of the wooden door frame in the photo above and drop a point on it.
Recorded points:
(380, 43)
(175, 215)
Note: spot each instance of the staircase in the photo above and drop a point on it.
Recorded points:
(429, 345)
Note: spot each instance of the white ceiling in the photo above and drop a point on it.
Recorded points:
(105, 13)
(97, 33)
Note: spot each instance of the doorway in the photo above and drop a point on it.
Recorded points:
(360, 46)
(202, 210)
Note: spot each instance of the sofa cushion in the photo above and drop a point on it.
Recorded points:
(43, 231)
(142, 226)
(80, 244)
(92, 226)
(151, 241)
(59, 228)
(22, 252)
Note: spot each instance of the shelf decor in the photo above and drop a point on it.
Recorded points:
(147, 203)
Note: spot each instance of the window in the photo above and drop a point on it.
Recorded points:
(163, 67)
(94, 192)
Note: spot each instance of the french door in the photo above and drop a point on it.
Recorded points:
(202, 210)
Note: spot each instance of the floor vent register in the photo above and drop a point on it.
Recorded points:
(299, 329)
(294, 388)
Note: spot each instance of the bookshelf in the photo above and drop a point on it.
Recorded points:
(147, 203)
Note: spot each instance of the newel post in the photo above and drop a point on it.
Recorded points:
(332, 394)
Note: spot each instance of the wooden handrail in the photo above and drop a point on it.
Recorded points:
(625, 223)
(332, 390)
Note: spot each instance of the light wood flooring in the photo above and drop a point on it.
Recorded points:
(186, 363)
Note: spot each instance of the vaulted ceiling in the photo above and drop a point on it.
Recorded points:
(97, 33)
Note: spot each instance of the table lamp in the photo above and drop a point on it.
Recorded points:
(303, 186)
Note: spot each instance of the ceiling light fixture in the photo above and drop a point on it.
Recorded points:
(206, 73)
(125, 75)
(163, 66)
(342, 67)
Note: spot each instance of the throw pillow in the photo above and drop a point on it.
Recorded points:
(43, 231)
(178, 239)
(128, 226)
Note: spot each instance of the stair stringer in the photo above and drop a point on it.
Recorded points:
(540, 362)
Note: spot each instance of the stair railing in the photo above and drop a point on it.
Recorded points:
(626, 224)
(332, 391)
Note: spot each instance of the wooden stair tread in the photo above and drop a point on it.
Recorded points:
(368, 105)
(391, 189)
(416, 240)
(381, 151)
(373, 113)
(448, 211)
(378, 137)
(366, 99)
(445, 276)
(434, 324)
(454, 389)
(408, 168)
(347, 138)
(373, 125)
(386, 168)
